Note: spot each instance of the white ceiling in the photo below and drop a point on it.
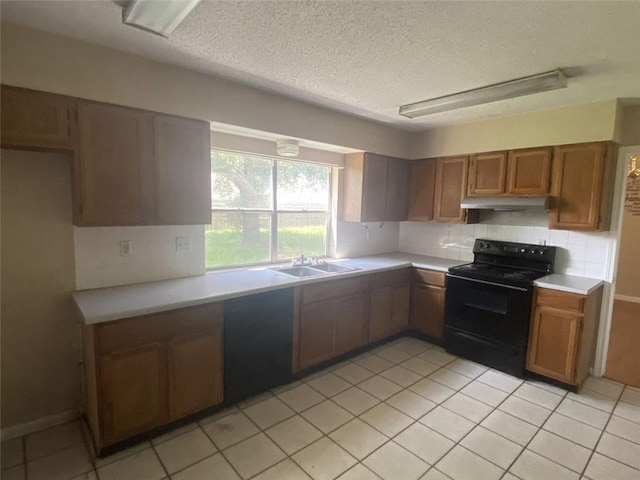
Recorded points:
(369, 57)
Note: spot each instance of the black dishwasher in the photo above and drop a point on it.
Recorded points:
(258, 336)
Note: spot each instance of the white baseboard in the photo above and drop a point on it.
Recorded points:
(35, 425)
(627, 298)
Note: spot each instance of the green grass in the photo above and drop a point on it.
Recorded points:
(224, 247)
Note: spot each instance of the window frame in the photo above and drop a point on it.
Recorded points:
(274, 211)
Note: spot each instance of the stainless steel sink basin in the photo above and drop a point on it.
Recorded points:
(334, 268)
(300, 272)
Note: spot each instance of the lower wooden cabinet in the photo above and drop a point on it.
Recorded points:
(427, 302)
(146, 371)
(389, 305)
(562, 334)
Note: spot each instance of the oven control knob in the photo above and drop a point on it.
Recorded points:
(522, 250)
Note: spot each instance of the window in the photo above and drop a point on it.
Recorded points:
(265, 210)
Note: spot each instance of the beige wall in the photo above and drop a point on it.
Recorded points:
(43, 61)
(630, 131)
(582, 123)
(628, 276)
(40, 342)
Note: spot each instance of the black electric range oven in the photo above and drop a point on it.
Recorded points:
(488, 303)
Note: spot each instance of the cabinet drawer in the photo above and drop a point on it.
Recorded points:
(334, 289)
(157, 327)
(560, 300)
(430, 277)
(394, 277)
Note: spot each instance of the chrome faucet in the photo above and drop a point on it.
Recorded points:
(302, 261)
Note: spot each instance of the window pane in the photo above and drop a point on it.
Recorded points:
(237, 238)
(302, 186)
(240, 181)
(302, 233)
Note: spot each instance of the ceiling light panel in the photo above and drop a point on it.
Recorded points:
(158, 16)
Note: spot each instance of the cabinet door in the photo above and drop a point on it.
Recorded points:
(421, 190)
(577, 187)
(374, 197)
(451, 180)
(427, 309)
(487, 173)
(350, 323)
(400, 309)
(33, 119)
(529, 171)
(317, 333)
(114, 158)
(195, 372)
(134, 391)
(381, 307)
(183, 171)
(397, 180)
(553, 343)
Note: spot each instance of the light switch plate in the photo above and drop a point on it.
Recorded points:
(125, 248)
(183, 244)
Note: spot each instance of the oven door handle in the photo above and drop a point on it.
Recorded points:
(488, 283)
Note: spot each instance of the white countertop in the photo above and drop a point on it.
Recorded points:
(104, 304)
(569, 283)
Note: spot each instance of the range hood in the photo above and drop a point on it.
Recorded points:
(509, 204)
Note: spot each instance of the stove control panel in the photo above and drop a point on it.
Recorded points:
(514, 250)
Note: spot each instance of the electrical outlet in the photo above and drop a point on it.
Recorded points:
(125, 248)
(183, 244)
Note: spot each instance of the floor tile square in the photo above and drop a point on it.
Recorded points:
(437, 356)
(353, 373)
(293, 434)
(327, 416)
(449, 378)
(631, 396)
(508, 426)
(524, 410)
(431, 390)
(375, 364)
(484, 393)
(218, 415)
(143, 465)
(393, 354)
(173, 433)
(619, 449)
(392, 462)
(560, 450)
(594, 399)
(531, 466)
(427, 444)
(12, 453)
(467, 407)
(434, 474)
(603, 468)
(412, 346)
(53, 439)
(101, 462)
(285, 470)
(18, 472)
(301, 397)
(411, 404)
(230, 430)
(449, 424)
(604, 386)
(573, 430)
(492, 447)
(462, 464)
(255, 399)
(359, 472)
(324, 460)
(420, 366)
(253, 455)
(285, 387)
(268, 412)
(467, 368)
(379, 387)
(358, 438)
(624, 428)
(628, 411)
(215, 466)
(500, 380)
(355, 400)
(184, 450)
(401, 376)
(386, 419)
(61, 465)
(583, 413)
(538, 396)
(329, 384)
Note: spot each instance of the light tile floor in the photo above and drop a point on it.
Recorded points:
(406, 410)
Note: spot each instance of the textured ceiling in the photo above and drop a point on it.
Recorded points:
(369, 57)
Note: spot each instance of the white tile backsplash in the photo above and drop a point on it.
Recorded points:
(153, 255)
(578, 253)
(356, 239)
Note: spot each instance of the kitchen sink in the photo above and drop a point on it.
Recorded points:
(334, 268)
(300, 272)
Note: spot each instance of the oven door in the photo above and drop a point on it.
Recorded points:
(499, 313)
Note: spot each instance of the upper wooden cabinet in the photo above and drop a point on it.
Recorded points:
(517, 172)
(37, 120)
(450, 188)
(374, 188)
(422, 184)
(582, 186)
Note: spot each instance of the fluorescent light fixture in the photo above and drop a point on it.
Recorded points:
(158, 16)
(288, 148)
(492, 93)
